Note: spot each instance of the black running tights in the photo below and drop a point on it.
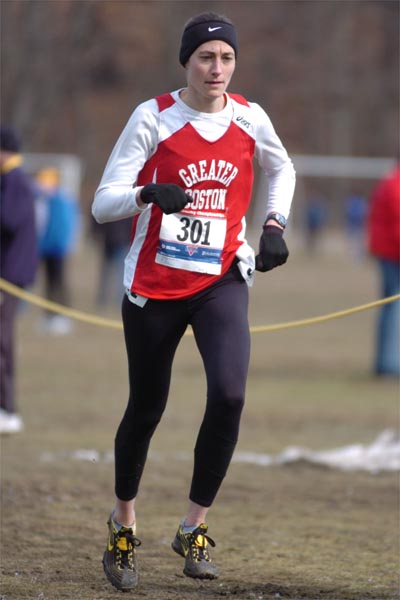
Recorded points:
(218, 316)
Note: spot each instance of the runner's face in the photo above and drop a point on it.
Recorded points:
(209, 71)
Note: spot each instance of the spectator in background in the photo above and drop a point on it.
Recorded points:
(114, 241)
(57, 217)
(18, 263)
(384, 245)
(356, 214)
(315, 220)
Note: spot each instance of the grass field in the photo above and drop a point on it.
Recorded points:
(292, 532)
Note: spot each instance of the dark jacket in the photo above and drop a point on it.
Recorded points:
(18, 239)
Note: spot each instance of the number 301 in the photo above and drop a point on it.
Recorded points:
(195, 231)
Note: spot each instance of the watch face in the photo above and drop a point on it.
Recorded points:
(278, 218)
(281, 220)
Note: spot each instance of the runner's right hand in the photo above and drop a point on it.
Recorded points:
(169, 197)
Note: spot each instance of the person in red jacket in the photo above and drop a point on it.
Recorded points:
(384, 244)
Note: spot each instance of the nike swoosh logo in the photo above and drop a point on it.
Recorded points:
(211, 29)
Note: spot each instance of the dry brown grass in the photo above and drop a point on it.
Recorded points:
(293, 532)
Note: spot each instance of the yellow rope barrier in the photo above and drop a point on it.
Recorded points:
(14, 290)
(328, 317)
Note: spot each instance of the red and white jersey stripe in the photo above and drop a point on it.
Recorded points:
(210, 155)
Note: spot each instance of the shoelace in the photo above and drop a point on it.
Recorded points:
(198, 543)
(125, 544)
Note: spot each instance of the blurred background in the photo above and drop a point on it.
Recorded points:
(326, 72)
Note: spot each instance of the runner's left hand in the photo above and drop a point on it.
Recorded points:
(273, 251)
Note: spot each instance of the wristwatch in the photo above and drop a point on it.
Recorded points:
(278, 218)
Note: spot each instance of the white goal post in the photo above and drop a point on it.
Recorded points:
(306, 166)
(315, 166)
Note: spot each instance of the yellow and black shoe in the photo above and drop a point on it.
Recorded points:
(119, 559)
(193, 546)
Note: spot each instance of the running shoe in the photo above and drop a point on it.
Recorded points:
(119, 560)
(193, 546)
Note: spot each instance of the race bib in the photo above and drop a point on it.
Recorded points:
(192, 243)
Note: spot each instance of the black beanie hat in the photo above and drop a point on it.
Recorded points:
(196, 34)
(9, 140)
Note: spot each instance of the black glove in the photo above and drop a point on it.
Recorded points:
(169, 197)
(273, 250)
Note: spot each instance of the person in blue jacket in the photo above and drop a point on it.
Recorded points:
(57, 216)
(18, 263)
